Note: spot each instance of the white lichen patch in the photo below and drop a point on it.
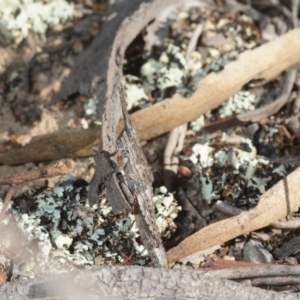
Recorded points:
(280, 170)
(238, 103)
(168, 71)
(198, 123)
(61, 240)
(90, 106)
(207, 191)
(60, 229)
(166, 211)
(18, 18)
(233, 173)
(201, 155)
(134, 92)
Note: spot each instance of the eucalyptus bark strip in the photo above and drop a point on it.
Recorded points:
(263, 64)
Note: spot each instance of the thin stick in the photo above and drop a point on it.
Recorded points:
(295, 6)
(14, 180)
(6, 202)
(171, 153)
(259, 271)
(278, 280)
(276, 105)
(44, 172)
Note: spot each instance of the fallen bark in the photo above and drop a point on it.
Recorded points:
(60, 144)
(111, 282)
(263, 63)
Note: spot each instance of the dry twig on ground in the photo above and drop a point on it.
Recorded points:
(17, 179)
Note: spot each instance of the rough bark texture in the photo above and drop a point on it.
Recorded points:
(97, 73)
(125, 28)
(91, 67)
(133, 283)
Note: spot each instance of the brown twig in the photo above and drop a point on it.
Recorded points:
(278, 280)
(259, 271)
(251, 273)
(44, 172)
(14, 180)
(214, 262)
(193, 41)
(6, 202)
(276, 105)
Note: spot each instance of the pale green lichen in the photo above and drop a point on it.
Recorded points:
(167, 71)
(134, 92)
(246, 167)
(19, 17)
(198, 123)
(238, 103)
(165, 206)
(202, 155)
(80, 234)
(280, 170)
(207, 188)
(90, 106)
